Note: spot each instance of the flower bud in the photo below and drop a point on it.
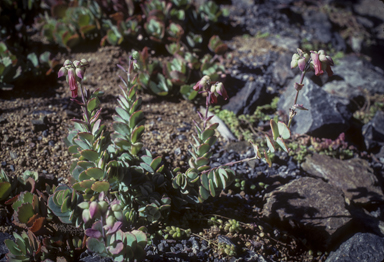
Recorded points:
(221, 90)
(301, 62)
(80, 73)
(62, 72)
(84, 63)
(203, 83)
(110, 221)
(68, 64)
(77, 63)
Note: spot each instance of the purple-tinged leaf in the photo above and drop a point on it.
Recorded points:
(93, 233)
(93, 208)
(115, 227)
(117, 249)
(96, 116)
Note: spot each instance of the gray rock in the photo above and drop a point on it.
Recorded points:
(222, 128)
(40, 124)
(283, 72)
(354, 177)
(320, 24)
(289, 43)
(327, 117)
(249, 97)
(309, 208)
(348, 95)
(370, 8)
(362, 247)
(373, 132)
(360, 74)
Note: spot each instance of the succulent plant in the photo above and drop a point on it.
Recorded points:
(175, 32)
(211, 68)
(121, 246)
(280, 132)
(200, 182)
(176, 70)
(64, 204)
(216, 45)
(30, 212)
(25, 248)
(9, 66)
(5, 186)
(155, 29)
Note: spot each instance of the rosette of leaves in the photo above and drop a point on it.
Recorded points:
(175, 32)
(146, 69)
(9, 69)
(280, 131)
(216, 45)
(29, 212)
(132, 26)
(64, 204)
(210, 11)
(163, 86)
(155, 29)
(200, 182)
(114, 243)
(211, 68)
(194, 41)
(25, 248)
(176, 70)
(11, 187)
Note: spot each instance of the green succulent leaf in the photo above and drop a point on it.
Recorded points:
(122, 129)
(83, 144)
(136, 118)
(281, 143)
(284, 130)
(207, 134)
(275, 129)
(5, 190)
(204, 148)
(100, 186)
(270, 144)
(95, 172)
(95, 245)
(204, 181)
(86, 136)
(155, 163)
(203, 193)
(212, 188)
(93, 104)
(141, 238)
(136, 134)
(123, 113)
(90, 155)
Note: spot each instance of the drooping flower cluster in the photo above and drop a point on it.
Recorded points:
(319, 61)
(214, 91)
(74, 73)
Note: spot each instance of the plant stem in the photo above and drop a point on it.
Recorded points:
(85, 106)
(293, 112)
